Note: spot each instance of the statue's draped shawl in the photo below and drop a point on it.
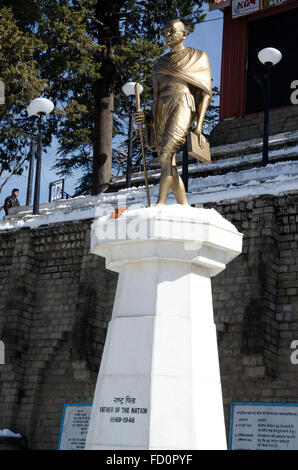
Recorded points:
(189, 65)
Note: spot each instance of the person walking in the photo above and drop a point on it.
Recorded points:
(11, 201)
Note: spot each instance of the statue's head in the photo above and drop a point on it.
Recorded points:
(174, 32)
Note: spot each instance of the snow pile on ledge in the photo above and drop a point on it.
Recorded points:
(8, 433)
(179, 213)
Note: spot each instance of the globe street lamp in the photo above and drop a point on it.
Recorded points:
(269, 57)
(32, 138)
(39, 107)
(129, 90)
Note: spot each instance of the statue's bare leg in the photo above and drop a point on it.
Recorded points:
(177, 184)
(166, 178)
(170, 179)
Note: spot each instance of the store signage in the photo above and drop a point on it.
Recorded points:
(244, 7)
(272, 3)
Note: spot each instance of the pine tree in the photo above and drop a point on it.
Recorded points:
(19, 74)
(131, 33)
(87, 50)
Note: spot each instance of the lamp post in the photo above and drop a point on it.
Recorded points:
(39, 107)
(129, 90)
(32, 138)
(269, 57)
(31, 168)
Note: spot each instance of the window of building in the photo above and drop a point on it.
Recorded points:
(279, 31)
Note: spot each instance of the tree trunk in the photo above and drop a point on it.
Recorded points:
(107, 15)
(103, 126)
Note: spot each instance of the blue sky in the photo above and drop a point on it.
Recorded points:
(207, 36)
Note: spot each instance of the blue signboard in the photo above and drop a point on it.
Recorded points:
(74, 426)
(263, 426)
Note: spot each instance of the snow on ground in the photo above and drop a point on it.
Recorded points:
(278, 178)
(275, 178)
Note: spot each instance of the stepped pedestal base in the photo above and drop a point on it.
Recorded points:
(159, 383)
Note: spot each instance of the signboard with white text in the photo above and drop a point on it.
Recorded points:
(74, 426)
(272, 3)
(264, 426)
(244, 7)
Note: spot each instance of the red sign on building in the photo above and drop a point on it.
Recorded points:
(244, 7)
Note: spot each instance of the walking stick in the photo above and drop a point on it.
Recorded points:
(138, 106)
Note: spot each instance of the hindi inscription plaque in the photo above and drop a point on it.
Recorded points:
(264, 426)
(74, 426)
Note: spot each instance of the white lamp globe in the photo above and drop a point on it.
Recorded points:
(129, 88)
(269, 55)
(40, 105)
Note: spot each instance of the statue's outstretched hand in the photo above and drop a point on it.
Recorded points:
(139, 117)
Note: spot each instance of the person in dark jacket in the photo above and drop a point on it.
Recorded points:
(11, 201)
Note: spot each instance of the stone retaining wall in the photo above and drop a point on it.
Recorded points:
(56, 300)
(251, 126)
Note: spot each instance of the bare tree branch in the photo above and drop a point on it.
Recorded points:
(15, 170)
(120, 153)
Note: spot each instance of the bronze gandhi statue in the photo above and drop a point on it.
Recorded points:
(182, 93)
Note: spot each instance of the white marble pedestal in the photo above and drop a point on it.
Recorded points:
(159, 383)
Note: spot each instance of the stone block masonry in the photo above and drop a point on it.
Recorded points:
(56, 300)
(55, 305)
(256, 303)
(251, 126)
